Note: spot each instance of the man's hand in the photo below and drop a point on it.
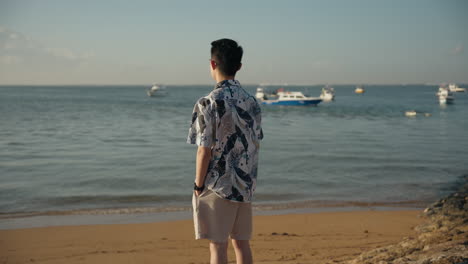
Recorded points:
(197, 193)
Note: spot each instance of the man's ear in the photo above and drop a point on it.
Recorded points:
(213, 64)
(240, 66)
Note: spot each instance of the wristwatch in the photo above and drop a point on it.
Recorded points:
(196, 188)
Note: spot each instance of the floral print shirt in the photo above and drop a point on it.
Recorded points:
(228, 121)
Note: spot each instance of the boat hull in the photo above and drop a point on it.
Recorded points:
(292, 102)
(327, 97)
(458, 90)
(448, 100)
(155, 93)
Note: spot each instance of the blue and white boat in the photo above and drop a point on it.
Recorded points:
(286, 98)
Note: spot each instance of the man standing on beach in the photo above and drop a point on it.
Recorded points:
(226, 126)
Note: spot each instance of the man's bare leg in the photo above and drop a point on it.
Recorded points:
(218, 252)
(243, 252)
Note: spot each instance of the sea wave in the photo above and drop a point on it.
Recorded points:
(256, 207)
(93, 199)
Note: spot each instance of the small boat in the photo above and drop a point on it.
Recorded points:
(260, 94)
(413, 113)
(156, 90)
(455, 89)
(282, 97)
(445, 95)
(328, 94)
(359, 90)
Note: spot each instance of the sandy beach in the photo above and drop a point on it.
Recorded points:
(326, 237)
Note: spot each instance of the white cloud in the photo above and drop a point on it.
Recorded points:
(63, 53)
(24, 49)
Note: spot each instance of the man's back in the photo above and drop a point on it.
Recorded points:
(228, 120)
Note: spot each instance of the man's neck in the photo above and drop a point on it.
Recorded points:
(219, 78)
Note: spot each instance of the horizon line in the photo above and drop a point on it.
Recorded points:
(246, 84)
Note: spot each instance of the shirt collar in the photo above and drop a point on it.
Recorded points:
(227, 83)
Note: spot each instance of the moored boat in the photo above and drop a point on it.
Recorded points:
(328, 94)
(156, 90)
(286, 98)
(455, 89)
(445, 95)
(359, 90)
(413, 113)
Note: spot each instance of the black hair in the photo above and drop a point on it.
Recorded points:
(227, 54)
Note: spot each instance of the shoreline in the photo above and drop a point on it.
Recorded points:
(43, 221)
(186, 206)
(160, 214)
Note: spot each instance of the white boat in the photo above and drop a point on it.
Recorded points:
(328, 94)
(413, 113)
(445, 95)
(260, 94)
(156, 90)
(282, 97)
(359, 90)
(455, 89)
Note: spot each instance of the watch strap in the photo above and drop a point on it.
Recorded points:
(196, 188)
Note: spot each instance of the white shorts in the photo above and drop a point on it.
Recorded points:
(217, 219)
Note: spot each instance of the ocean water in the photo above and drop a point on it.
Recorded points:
(103, 148)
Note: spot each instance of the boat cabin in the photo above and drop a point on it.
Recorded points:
(290, 95)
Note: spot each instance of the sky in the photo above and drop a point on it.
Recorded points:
(295, 42)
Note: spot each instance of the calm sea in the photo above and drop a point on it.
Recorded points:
(72, 148)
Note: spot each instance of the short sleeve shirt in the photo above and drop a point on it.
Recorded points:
(228, 120)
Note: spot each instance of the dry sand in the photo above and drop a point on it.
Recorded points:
(327, 237)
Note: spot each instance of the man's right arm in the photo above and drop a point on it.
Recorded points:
(203, 160)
